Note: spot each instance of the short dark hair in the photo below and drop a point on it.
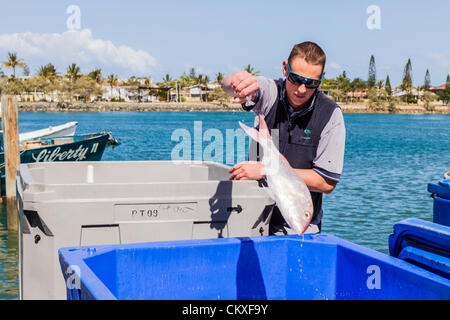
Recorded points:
(309, 51)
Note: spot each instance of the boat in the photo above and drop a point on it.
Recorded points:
(82, 147)
(66, 129)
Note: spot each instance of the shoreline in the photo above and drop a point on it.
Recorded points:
(195, 107)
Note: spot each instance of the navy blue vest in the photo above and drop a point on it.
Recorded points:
(299, 138)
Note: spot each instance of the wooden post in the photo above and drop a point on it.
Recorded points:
(2, 126)
(10, 121)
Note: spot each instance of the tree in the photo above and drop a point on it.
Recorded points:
(358, 84)
(192, 73)
(13, 62)
(343, 85)
(387, 87)
(206, 82)
(112, 80)
(380, 84)
(187, 81)
(86, 87)
(444, 95)
(374, 100)
(371, 81)
(219, 95)
(167, 81)
(447, 82)
(48, 72)
(388, 91)
(96, 75)
(407, 76)
(251, 70)
(73, 72)
(428, 98)
(219, 77)
(427, 82)
(200, 82)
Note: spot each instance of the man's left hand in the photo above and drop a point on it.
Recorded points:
(249, 170)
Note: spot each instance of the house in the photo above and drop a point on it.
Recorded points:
(357, 95)
(438, 89)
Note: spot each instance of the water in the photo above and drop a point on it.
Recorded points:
(389, 161)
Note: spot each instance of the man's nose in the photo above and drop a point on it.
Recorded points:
(301, 88)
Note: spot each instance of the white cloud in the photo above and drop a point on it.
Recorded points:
(333, 65)
(79, 47)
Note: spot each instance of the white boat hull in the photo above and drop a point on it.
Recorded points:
(67, 129)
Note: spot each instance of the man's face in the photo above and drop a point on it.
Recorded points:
(298, 95)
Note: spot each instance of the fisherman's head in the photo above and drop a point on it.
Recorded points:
(304, 70)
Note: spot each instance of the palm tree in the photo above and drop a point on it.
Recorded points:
(96, 75)
(206, 82)
(73, 72)
(200, 81)
(13, 63)
(112, 79)
(167, 80)
(48, 72)
(219, 77)
(251, 70)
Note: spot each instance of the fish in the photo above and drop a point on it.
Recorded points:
(286, 187)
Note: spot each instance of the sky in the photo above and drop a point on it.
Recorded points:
(153, 38)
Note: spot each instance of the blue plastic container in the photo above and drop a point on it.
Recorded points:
(423, 243)
(317, 266)
(441, 205)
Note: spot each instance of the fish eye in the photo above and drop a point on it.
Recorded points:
(307, 214)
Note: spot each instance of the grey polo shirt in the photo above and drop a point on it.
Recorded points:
(329, 159)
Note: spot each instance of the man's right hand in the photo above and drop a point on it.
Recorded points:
(248, 170)
(240, 85)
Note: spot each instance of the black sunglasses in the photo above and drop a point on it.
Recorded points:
(299, 80)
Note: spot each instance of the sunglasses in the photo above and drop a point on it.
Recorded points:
(299, 80)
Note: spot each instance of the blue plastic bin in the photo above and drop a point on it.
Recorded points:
(423, 243)
(441, 205)
(317, 266)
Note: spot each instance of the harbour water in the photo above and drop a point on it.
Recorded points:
(389, 160)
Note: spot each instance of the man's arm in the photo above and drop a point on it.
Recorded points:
(254, 170)
(315, 182)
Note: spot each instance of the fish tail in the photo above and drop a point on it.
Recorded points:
(253, 133)
(260, 136)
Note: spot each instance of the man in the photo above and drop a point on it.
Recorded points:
(310, 126)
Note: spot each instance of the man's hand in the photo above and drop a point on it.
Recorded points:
(249, 170)
(240, 85)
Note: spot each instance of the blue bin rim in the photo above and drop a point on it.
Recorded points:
(71, 256)
(440, 188)
(430, 234)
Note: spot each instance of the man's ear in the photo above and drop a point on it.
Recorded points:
(285, 68)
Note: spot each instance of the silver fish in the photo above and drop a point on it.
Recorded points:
(287, 188)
